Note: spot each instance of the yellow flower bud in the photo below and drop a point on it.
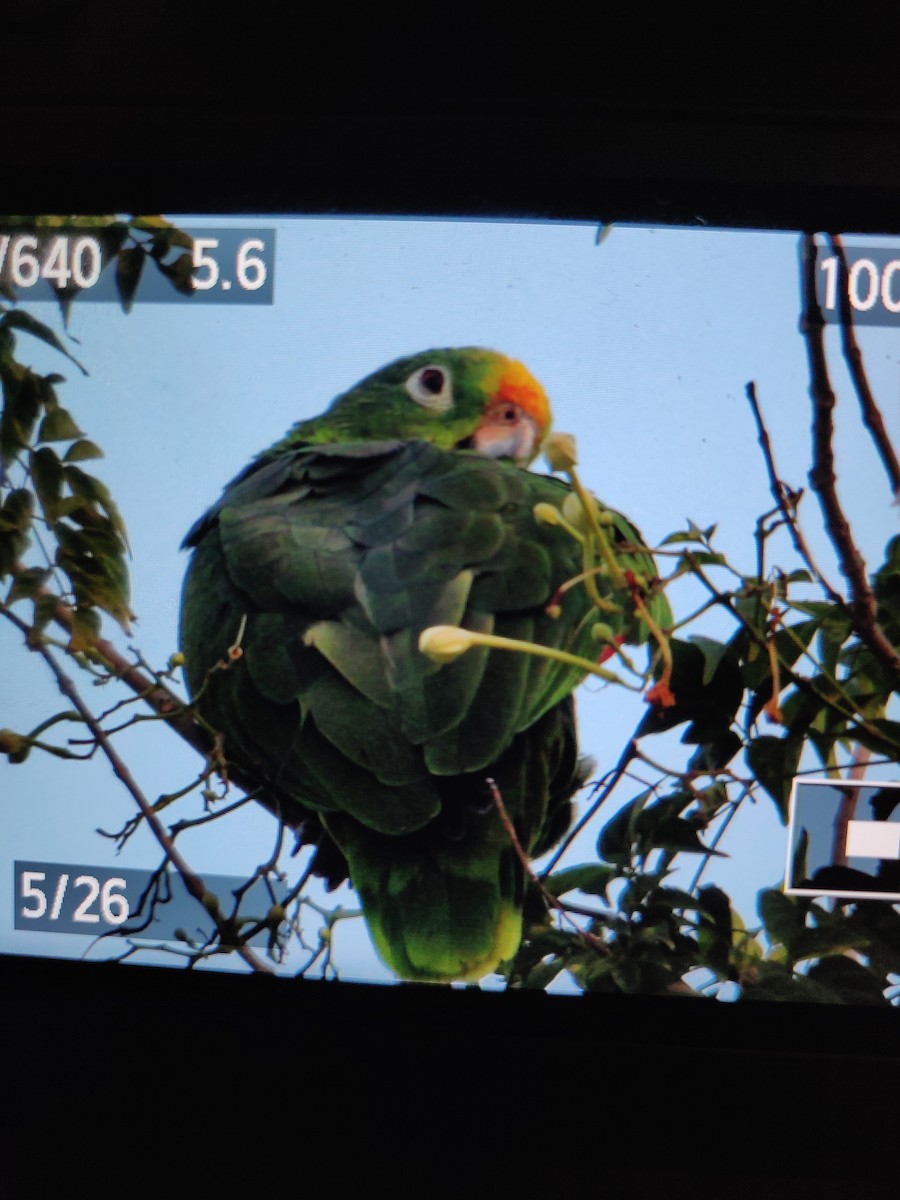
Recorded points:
(14, 744)
(546, 513)
(561, 451)
(573, 511)
(602, 632)
(444, 643)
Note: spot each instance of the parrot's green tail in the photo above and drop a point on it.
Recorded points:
(445, 903)
(442, 909)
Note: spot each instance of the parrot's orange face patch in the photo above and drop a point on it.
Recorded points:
(518, 386)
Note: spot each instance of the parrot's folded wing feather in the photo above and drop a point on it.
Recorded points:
(323, 566)
(331, 564)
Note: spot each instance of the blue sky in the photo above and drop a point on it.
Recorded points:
(644, 345)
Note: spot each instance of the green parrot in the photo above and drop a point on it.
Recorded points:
(404, 506)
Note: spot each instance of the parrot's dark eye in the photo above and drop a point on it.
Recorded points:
(430, 387)
(432, 380)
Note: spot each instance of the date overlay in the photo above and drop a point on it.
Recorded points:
(222, 266)
(143, 905)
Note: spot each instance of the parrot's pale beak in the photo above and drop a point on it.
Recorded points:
(506, 431)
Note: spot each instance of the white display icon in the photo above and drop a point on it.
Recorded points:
(834, 834)
(873, 839)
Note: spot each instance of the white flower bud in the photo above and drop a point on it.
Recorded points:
(444, 643)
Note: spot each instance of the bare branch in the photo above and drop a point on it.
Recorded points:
(871, 414)
(193, 882)
(855, 721)
(174, 710)
(786, 498)
(823, 479)
(601, 793)
(589, 939)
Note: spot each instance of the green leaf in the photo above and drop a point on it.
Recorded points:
(90, 488)
(44, 611)
(712, 652)
(836, 631)
(81, 450)
(617, 837)
(165, 235)
(833, 939)
(784, 918)
(180, 273)
(820, 609)
(672, 833)
(27, 584)
(591, 878)
(880, 924)
(714, 936)
(675, 898)
(85, 629)
(17, 319)
(149, 223)
(774, 762)
(18, 510)
(543, 974)
(790, 643)
(58, 426)
(709, 707)
(851, 981)
(716, 753)
(674, 538)
(701, 558)
(99, 580)
(881, 736)
(129, 267)
(593, 973)
(47, 475)
(22, 399)
(777, 982)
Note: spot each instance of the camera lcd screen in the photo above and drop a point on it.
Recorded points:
(346, 747)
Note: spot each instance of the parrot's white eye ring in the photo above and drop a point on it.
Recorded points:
(430, 387)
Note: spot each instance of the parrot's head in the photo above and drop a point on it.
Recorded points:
(457, 399)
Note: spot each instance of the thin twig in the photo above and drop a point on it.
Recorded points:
(589, 939)
(715, 839)
(849, 796)
(786, 498)
(823, 479)
(871, 414)
(163, 702)
(167, 705)
(854, 720)
(601, 793)
(191, 822)
(193, 882)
